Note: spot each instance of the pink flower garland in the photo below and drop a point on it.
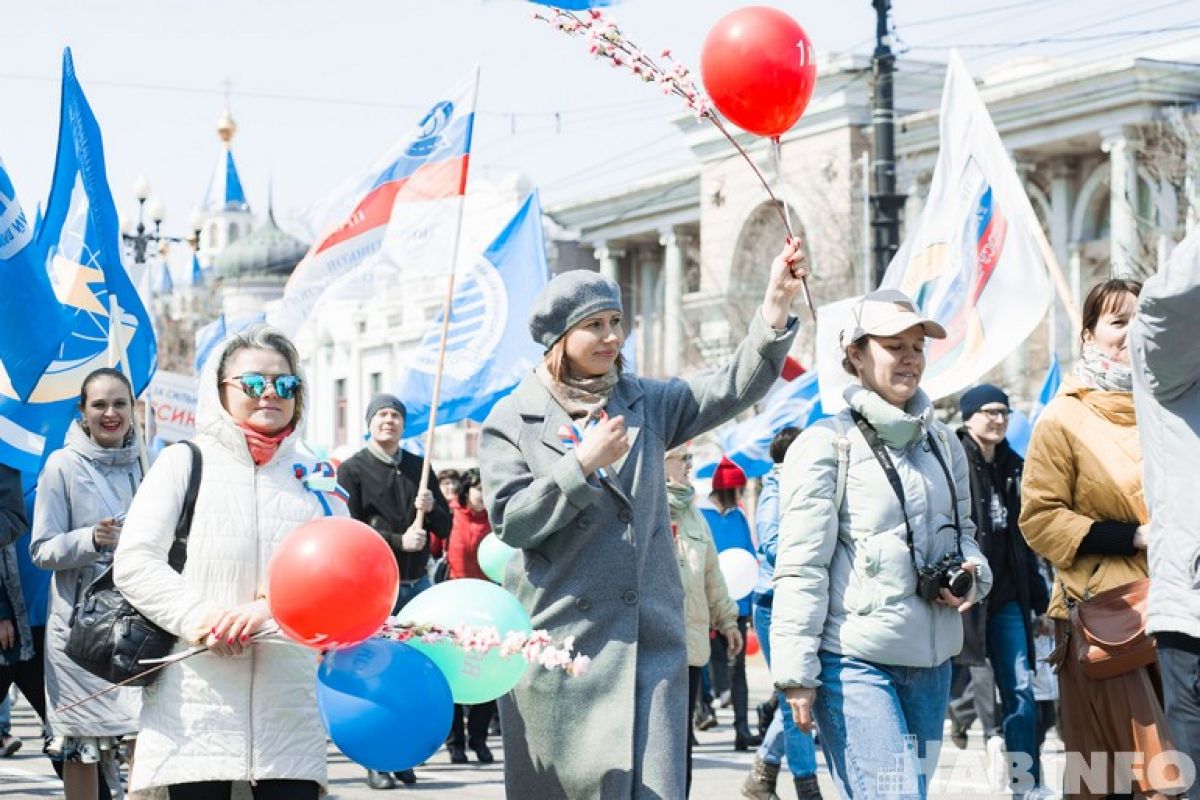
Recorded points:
(536, 647)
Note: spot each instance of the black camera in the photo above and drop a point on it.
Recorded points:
(945, 574)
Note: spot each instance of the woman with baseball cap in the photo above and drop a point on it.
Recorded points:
(876, 561)
(573, 475)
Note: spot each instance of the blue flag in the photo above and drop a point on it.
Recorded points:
(1020, 426)
(81, 242)
(217, 331)
(574, 5)
(747, 443)
(489, 349)
(32, 321)
(197, 273)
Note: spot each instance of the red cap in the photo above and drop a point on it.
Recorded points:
(728, 475)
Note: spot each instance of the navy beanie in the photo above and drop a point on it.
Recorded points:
(382, 401)
(979, 396)
(567, 300)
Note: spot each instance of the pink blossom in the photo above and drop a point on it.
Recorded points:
(579, 666)
(666, 54)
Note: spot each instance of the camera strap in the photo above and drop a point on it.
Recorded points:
(889, 469)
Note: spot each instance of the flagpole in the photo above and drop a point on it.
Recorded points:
(1056, 273)
(446, 304)
(116, 335)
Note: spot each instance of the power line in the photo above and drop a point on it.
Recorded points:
(1190, 25)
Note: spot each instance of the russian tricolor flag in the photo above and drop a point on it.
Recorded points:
(419, 174)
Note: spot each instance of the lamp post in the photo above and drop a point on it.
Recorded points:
(886, 203)
(140, 238)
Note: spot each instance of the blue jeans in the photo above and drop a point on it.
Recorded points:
(1008, 651)
(409, 591)
(783, 737)
(5, 715)
(877, 722)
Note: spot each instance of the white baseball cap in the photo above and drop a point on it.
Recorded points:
(886, 312)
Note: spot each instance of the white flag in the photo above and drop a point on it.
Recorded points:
(972, 261)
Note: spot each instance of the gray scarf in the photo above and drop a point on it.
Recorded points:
(1098, 371)
(579, 397)
(377, 451)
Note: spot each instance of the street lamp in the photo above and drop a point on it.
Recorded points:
(140, 238)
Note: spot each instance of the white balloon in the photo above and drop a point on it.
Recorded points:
(740, 569)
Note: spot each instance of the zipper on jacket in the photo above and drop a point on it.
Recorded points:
(250, 693)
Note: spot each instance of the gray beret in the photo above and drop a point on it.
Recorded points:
(568, 299)
(382, 401)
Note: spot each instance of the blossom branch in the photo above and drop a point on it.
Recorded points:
(536, 647)
(606, 40)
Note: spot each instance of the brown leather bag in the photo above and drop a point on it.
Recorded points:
(1108, 632)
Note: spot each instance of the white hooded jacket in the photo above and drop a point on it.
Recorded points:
(247, 717)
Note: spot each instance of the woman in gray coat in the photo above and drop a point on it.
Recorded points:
(83, 493)
(572, 466)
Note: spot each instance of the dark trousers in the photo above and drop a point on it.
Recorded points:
(263, 790)
(1179, 665)
(735, 668)
(29, 676)
(478, 718)
(693, 694)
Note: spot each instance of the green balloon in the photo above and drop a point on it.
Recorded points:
(494, 556)
(474, 677)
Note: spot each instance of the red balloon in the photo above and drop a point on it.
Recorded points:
(332, 583)
(752, 646)
(759, 69)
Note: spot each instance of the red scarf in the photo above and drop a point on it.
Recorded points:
(263, 447)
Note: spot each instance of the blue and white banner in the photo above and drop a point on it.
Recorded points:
(1020, 426)
(794, 403)
(32, 321)
(81, 242)
(217, 331)
(488, 349)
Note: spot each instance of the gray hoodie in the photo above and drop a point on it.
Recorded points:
(1164, 340)
(844, 581)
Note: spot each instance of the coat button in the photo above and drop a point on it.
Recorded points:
(583, 521)
(630, 597)
(625, 515)
(582, 603)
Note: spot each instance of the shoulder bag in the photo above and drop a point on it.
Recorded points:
(1107, 632)
(109, 637)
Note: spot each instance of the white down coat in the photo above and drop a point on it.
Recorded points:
(248, 717)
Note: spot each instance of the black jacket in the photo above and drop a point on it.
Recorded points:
(1018, 567)
(382, 496)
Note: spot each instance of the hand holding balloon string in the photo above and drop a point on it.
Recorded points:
(606, 40)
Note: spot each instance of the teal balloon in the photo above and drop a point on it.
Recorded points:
(385, 705)
(494, 556)
(474, 677)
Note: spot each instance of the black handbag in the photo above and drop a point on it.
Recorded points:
(109, 637)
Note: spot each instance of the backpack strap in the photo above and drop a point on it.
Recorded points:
(177, 556)
(843, 464)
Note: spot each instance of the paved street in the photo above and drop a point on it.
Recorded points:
(719, 769)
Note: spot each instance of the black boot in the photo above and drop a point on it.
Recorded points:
(406, 776)
(766, 713)
(458, 754)
(760, 783)
(743, 739)
(807, 787)
(482, 753)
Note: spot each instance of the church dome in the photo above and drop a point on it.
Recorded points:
(267, 251)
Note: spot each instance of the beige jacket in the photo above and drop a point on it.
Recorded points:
(706, 600)
(1084, 465)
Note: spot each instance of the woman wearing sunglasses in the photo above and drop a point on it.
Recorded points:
(241, 712)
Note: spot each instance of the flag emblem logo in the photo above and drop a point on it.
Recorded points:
(477, 324)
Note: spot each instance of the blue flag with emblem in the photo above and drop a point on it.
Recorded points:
(32, 321)
(1020, 425)
(489, 348)
(81, 242)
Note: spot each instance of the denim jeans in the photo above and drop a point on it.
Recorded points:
(783, 737)
(409, 591)
(5, 715)
(876, 721)
(1008, 652)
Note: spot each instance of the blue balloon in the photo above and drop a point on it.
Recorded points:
(385, 705)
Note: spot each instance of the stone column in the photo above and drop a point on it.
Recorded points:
(672, 265)
(1061, 202)
(607, 256)
(647, 310)
(1121, 149)
(1075, 279)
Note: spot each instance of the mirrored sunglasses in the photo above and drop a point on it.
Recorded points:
(254, 384)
